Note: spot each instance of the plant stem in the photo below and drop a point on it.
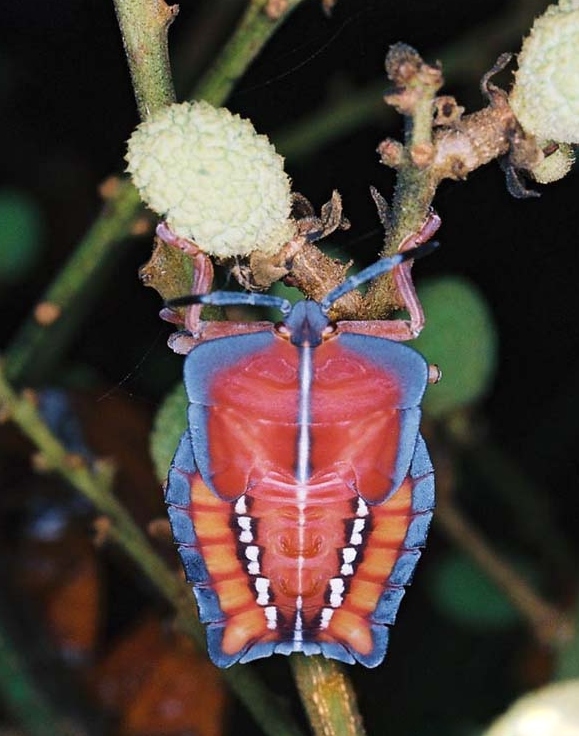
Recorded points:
(464, 60)
(144, 26)
(23, 699)
(37, 347)
(415, 185)
(514, 487)
(550, 625)
(327, 696)
(95, 485)
(253, 31)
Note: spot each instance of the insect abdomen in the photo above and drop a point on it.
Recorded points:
(271, 575)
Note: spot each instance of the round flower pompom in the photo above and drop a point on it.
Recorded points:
(213, 179)
(545, 96)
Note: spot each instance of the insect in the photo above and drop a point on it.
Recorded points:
(302, 491)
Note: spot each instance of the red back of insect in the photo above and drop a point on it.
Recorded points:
(302, 491)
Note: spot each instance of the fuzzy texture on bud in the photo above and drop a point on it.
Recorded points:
(545, 97)
(555, 166)
(550, 711)
(213, 178)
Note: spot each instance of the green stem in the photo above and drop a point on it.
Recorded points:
(327, 696)
(150, 76)
(414, 192)
(144, 25)
(516, 490)
(253, 31)
(37, 347)
(333, 121)
(95, 485)
(462, 61)
(23, 699)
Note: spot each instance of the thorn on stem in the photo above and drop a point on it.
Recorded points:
(46, 313)
(102, 527)
(160, 529)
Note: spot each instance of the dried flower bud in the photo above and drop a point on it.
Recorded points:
(213, 179)
(545, 97)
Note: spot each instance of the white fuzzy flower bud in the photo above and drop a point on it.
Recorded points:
(551, 711)
(555, 166)
(545, 97)
(212, 178)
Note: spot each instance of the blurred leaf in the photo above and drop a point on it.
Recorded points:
(61, 576)
(568, 656)
(21, 236)
(117, 427)
(169, 425)
(461, 339)
(463, 593)
(158, 684)
(21, 696)
(291, 293)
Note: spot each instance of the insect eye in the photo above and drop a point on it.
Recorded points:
(329, 330)
(282, 330)
(434, 374)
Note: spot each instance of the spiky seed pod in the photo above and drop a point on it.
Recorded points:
(213, 179)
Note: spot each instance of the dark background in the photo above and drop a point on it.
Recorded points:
(66, 109)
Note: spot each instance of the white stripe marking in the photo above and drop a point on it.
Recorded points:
(244, 523)
(348, 554)
(305, 389)
(298, 629)
(362, 509)
(326, 617)
(271, 616)
(302, 475)
(241, 505)
(252, 552)
(357, 528)
(337, 589)
(262, 588)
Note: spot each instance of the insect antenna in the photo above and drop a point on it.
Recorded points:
(374, 270)
(234, 298)
(231, 299)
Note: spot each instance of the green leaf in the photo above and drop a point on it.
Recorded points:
(463, 593)
(461, 339)
(169, 425)
(567, 655)
(21, 234)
